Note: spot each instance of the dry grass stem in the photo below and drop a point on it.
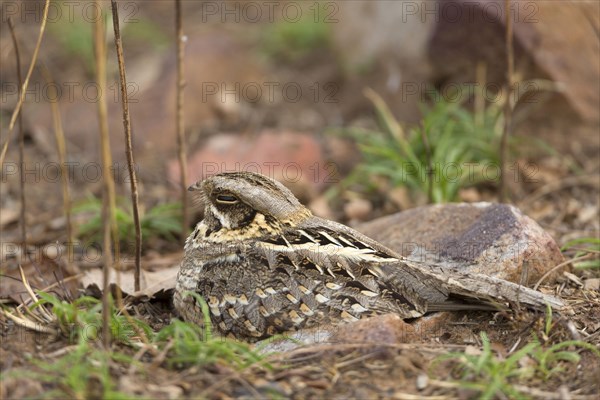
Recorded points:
(45, 313)
(128, 145)
(109, 225)
(22, 221)
(28, 324)
(181, 142)
(591, 180)
(106, 156)
(508, 106)
(61, 146)
(109, 206)
(108, 260)
(562, 264)
(23, 90)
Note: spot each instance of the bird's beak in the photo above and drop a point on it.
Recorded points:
(194, 187)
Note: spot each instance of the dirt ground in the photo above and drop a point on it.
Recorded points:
(336, 370)
(332, 370)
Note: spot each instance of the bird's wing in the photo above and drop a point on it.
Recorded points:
(435, 288)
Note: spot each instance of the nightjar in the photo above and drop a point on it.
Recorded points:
(265, 265)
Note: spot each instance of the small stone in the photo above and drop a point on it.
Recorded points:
(422, 381)
(54, 252)
(358, 209)
(8, 216)
(573, 278)
(295, 159)
(400, 197)
(587, 214)
(469, 195)
(382, 329)
(320, 207)
(57, 223)
(592, 284)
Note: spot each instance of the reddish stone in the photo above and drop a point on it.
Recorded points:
(295, 159)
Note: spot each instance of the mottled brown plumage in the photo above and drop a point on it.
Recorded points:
(266, 265)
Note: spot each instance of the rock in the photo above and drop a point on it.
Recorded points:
(385, 329)
(358, 209)
(588, 213)
(591, 284)
(400, 197)
(295, 159)
(293, 340)
(469, 195)
(491, 239)
(436, 325)
(550, 37)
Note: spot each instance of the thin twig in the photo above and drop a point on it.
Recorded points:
(22, 223)
(108, 261)
(32, 295)
(61, 146)
(508, 106)
(128, 145)
(28, 324)
(106, 156)
(109, 202)
(28, 313)
(108, 188)
(13, 118)
(181, 142)
(591, 180)
(109, 196)
(562, 264)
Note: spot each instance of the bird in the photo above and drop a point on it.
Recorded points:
(265, 265)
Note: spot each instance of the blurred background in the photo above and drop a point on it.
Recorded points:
(350, 103)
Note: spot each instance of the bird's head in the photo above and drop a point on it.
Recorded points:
(235, 200)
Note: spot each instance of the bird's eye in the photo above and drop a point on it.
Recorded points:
(227, 199)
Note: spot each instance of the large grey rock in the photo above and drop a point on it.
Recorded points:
(492, 239)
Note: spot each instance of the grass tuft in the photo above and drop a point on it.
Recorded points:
(459, 150)
(161, 221)
(494, 376)
(290, 41)
(83, 373)
(81, 320)
(586, 246)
